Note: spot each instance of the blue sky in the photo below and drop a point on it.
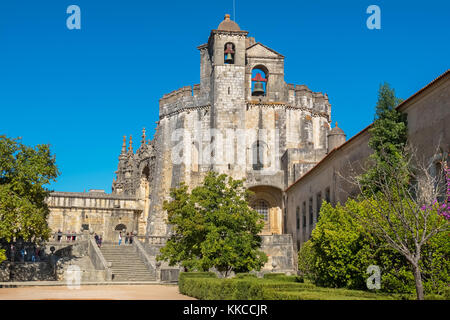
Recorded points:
(82, 90)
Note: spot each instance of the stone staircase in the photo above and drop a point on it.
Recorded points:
(126, 263)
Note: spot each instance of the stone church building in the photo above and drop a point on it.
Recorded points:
(242, 119)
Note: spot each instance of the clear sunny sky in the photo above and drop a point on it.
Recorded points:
(82, 90)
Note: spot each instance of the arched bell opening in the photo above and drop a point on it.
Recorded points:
(229, 51)
(259, 78)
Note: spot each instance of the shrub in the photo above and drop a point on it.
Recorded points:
(221, 289)
(273, 275)
(2, 255)
(250, 288)
(306, 260)
(198, 275)
(245, 275)
(339, 252)
(283, 278)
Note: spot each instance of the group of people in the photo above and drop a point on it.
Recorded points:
(98, 240)
(69, 236)
(26, 254)
(128, 238)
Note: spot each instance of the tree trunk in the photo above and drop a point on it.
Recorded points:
(418, 279)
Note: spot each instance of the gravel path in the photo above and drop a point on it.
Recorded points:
(98, 292)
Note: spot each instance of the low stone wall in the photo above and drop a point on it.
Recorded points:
(86, 269)
(4, 271)
(280, 251)
(62, 249)
(98, 261)
(149, 260)
(26, 271)
(169, 275)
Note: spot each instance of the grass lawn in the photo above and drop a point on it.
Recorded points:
(207, 286)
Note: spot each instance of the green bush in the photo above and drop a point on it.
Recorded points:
(306, 260)
(245, 275)
(250, 288)
(447, 292)
(342, 251)
(221, 289)
(198, 275)
(435, 264)
(273, 275)
(193, 275)
(339, 252)
(281, 277)
(2, 255)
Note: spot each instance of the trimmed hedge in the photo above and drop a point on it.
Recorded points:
(274, 275)
(283, 277)
(245, 275)
(249, 288)
(197, 275)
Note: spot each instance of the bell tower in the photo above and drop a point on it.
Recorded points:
(227, 49)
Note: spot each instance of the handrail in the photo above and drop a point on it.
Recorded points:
(146, 258)
(64, 236)
(158, 240)
(98, 260)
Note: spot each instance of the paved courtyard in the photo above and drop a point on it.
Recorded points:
(95, 292)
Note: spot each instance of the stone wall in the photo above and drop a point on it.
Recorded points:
(279, 249)
(101, 213)
(428, 115)
(26, 271)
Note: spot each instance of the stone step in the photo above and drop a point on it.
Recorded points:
(138, 275)
(119, 258)
(126, 264)
(130, 270)
(133, 280)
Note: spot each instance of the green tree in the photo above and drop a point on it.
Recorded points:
(214, 227)
(400, 192)
(388, 136)
(340, 251)
(24, 173)
(402, 209)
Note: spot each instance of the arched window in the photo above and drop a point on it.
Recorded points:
(262, 207)
(146, 173)
(229, 51)
(259, 81)
(438, 174)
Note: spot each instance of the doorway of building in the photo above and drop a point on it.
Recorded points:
(118, 229)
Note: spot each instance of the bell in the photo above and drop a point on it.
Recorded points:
(258, 90)
(228, 58)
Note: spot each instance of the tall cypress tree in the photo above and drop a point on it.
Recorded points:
(388, 136)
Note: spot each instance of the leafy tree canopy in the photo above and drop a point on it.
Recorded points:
(214, 227)
(24, 173)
